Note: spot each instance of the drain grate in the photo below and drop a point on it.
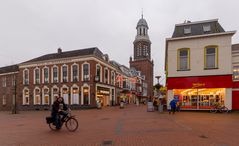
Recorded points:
(203, 136)
(107, 142)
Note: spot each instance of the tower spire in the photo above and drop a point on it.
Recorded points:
(142, 13)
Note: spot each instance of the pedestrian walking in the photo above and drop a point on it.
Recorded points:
(173, 106)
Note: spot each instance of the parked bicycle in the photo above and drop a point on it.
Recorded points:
(70, 121)
(221, 109)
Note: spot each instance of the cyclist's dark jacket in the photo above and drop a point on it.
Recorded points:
(56, 106)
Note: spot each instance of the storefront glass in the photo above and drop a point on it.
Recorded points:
(202, 98)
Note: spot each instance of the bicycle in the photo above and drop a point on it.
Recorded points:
(70, 121)
(221, 109)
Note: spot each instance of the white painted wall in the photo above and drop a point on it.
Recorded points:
(197, 46)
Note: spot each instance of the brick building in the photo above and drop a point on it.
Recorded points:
(82, 77)
(142, 55)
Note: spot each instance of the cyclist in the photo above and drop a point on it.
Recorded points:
(59, 108)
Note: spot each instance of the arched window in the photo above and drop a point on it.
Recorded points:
(45, 95)
(54, 74)
(36, 76)
(106, 76)
(46, 75)
(74, 94)
(25, 99)
(65, 94)
(85, 95)
(75, 72)
(26, 77)
(55, 93)
(86, 72)
(37, 96)
(64, 73)
(98, 73)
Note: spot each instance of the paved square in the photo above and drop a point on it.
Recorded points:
(132, 126)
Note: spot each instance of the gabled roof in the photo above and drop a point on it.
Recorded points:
(81, 52)
(8, 69)
(197, 28)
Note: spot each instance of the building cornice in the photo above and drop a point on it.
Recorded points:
(196, 22)
(3, 74)
(202, 36)
(65, 60)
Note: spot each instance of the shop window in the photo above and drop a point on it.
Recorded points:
(183, 59)
(26, 77)
(86, 96)
(211, 57)
(37, 76)
(236, 72)
(86, 76)
(55, 74)
(64, 74)
(4, 100)
(55, 93)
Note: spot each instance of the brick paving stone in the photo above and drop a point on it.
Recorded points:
(132, 126)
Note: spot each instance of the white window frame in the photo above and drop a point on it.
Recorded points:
(82, 94)
(43, 95)
(27, 80)
(54, 94)
(43, 74)
(206, 27)
(72, 77)
(100, 71)
(4, 100)
(75, 86)
(106, 81)
(112, 81)
(52, 74)
(34, 75)
(66, 73)
(25, 96)
(66, 101)
(82, 71)
(34, 100)
(187, 30)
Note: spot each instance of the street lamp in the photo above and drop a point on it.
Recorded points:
(158, 77)
(14, 111)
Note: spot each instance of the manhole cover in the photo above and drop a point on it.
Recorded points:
(107, 142)
(203, 136)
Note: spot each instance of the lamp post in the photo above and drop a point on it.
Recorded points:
(14, 111)
(158, 77)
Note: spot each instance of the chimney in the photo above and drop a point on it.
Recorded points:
(59, 50)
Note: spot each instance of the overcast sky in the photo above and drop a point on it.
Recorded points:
(31, 28)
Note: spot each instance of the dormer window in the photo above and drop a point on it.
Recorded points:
(187, 29)
(206, 27)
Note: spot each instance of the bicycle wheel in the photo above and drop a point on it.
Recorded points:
(213, 110)
(72, 124)
(224, 110)
(52, 127)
